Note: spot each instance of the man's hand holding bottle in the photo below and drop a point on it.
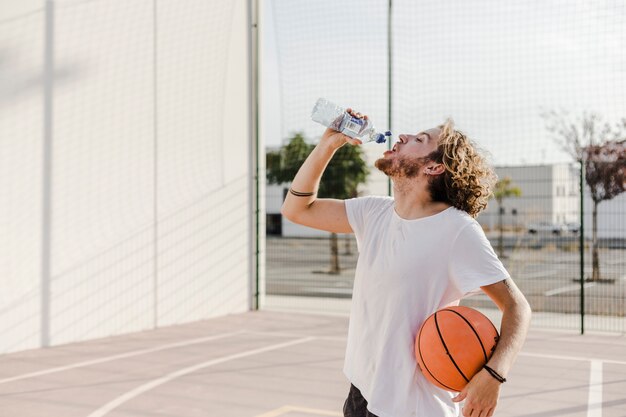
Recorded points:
(336, 140)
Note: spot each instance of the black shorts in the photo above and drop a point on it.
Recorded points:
(356, 405)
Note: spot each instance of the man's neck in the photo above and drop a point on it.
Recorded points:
(413, 200)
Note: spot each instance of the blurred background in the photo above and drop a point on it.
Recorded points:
(146, 146)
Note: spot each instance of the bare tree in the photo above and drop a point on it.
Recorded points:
(600, 146)
(574, 133)
(605, 173)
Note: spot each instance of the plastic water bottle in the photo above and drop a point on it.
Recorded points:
(337, 118)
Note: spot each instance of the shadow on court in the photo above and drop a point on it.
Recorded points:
(273, 364)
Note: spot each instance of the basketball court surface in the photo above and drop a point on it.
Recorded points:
(274, 364)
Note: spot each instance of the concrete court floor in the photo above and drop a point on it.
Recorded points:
(273, 364)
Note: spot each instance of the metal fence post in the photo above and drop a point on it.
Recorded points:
(255, 153)
(155, 167)
(582, 245)
(46, 235)
(389, 82)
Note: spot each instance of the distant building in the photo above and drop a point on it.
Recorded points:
(550, 193)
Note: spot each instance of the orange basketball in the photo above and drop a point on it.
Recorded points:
(453, 344)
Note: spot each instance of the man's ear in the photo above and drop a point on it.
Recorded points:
(434, 169)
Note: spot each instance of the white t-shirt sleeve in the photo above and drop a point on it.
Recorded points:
(359, 210)
(473, 262)
(354, 211)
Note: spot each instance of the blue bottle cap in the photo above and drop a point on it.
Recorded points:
(381, 138)
(388, 133)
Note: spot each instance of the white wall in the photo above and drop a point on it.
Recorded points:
(21, 130)
(150, 182)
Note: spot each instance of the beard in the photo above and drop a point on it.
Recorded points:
(403, 166)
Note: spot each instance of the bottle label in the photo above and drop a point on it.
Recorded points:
(352, 127)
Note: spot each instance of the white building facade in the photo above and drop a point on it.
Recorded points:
(549, 193)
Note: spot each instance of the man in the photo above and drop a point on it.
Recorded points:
(418, 252)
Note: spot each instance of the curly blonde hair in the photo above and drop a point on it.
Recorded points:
(468, 180)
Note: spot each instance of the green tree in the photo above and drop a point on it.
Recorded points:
(345, 172)
(601, 148)
(504, 189)
(283, 164)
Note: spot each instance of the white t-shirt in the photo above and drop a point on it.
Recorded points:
(408, 269)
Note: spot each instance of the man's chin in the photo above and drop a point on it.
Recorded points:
(400, 166)
(383, 165)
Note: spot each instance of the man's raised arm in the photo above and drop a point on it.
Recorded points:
(301, 204)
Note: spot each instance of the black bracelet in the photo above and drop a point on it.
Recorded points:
(494, 374)
(299, 194)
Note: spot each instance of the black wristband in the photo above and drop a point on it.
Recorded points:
(494, 374)
(299, 194)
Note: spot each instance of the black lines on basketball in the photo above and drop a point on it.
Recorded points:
(443, 342)
(446, 348)
(473, 330)
(425, 367)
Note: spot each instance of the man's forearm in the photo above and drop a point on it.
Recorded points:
(307, 180)
(514, 327)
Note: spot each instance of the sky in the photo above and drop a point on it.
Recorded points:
(492, 66)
